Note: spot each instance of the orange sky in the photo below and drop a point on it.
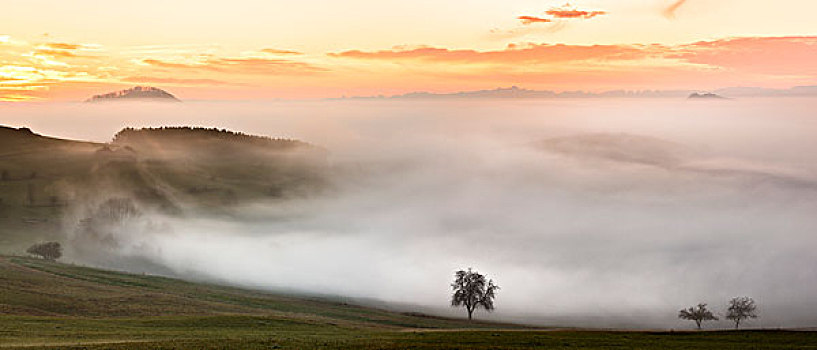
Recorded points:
(59, 50)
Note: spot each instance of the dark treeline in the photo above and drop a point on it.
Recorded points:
(187, 132)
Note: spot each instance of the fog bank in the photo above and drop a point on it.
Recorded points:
(612, 213)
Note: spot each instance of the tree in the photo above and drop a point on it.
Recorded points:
(471, 290)
(741, 308)
(48, 250)
(697, 314)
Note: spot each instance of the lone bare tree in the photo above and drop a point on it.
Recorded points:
(697, 314)
(741, 308)
(472, 290)
(48, 250)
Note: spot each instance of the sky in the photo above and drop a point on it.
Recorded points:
(244, 49)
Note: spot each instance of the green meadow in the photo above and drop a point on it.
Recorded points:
(47, 305)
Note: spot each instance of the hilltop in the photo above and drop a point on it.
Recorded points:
(136, 93)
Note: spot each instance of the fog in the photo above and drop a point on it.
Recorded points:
(610, 213)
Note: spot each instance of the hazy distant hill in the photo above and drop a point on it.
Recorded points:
(797, 91)
(705, 96)
(136, 93)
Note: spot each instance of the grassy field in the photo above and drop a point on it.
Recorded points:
(51, 305)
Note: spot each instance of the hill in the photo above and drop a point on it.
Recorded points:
(135, 94)
(58, 301)
(46, 305)
(705, 96)
(51, 186)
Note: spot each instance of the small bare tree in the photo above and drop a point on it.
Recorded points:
(697, 314)
(741, 308)
(48, 250)
(472, 290)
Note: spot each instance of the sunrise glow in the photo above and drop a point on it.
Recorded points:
(321, 49)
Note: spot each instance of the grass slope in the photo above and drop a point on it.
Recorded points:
(50, 305)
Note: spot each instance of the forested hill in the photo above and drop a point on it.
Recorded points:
(135, 94)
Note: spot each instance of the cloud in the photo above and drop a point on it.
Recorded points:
(514, 53)
(526, 29)
(573, 13)
(533, 19)
(241, 65)
(564, 12)
(765, 55)
(753, 61)
(175, 81)
(669, 12)
(63, 50)
(54, 53)
(6, 97)
(281, 52)
(164, 64)
(63, 46)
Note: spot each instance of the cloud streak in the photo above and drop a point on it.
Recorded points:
(281, 52)
(240, 65)
(514, 53)
(573, 13)
(669, 11)
(63, 46)
(174, 81)
(564, 12)
(533, 19)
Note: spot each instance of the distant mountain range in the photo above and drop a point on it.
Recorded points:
(515, 92)
(136, 93)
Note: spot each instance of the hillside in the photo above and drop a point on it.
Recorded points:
(46, 305)
(50, 186)
(57, 300)
(35, 287)
(34, 173)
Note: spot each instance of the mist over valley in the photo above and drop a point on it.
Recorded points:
(607, 213)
